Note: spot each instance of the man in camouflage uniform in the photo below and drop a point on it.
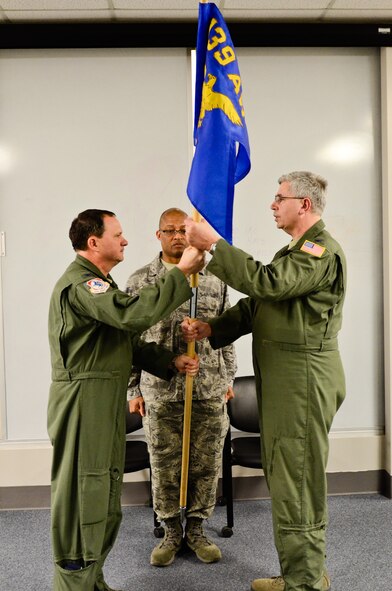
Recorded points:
(294, 312)
(162, 405)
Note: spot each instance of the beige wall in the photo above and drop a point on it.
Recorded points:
(386, 114)
(25, 459)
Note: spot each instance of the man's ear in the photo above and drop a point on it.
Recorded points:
(307, 204)
(92, 243)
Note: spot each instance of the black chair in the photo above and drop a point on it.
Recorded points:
(240, 450)
(137, 458)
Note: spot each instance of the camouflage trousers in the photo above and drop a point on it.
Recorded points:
(163, 429)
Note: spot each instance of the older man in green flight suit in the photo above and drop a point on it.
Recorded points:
(92, 335)
(294, 312)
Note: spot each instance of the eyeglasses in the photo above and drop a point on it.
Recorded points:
(182, 232)
(280, 198)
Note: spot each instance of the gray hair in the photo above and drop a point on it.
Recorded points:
(307, 184)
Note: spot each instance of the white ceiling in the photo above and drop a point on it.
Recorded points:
(17, 11)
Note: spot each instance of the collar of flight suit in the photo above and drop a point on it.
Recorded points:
(310, 234)
(86, 264)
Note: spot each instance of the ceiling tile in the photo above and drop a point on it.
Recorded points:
(288, 6)
(156, 15)
(359, 5)
(359, 15)
(272, 15)
(174, 10)
(158, 5)
(43, 16)
(43, 5)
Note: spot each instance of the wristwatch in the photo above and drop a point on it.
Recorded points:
(213, 247)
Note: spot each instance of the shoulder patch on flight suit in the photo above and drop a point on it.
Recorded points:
(312, 248)
(97, 285)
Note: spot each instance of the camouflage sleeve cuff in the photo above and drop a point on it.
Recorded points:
(133, 393)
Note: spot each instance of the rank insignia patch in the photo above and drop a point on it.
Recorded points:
(97, 285)
(312, 248)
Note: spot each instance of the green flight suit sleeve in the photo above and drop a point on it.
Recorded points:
(136, 313)
(153, 358)
(295, 274)
(232, 324)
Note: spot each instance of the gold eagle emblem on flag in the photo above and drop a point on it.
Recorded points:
(216, 100)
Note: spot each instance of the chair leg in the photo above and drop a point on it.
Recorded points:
(227, 486)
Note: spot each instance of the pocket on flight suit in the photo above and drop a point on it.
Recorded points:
(115, 491)
(73, 580)
(95, 491)
(286, 468)
(302, 553)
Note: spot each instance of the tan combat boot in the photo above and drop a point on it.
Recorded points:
(277, 584)
(165, 552)
(205, 550)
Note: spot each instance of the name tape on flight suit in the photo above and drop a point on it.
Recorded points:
(97, 285)
(312, 248)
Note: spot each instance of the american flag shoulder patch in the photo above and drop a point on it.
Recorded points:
(315, 249)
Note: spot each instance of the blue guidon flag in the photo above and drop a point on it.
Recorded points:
(222, 155)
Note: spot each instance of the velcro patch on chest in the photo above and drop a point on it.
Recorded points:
(97, 285)
(315, 249)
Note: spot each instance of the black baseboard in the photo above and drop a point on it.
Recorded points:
(386, 484)
(244, 488)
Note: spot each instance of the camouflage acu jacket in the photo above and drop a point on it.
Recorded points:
(217, 368)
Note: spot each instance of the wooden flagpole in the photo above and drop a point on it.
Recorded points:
(194, 282)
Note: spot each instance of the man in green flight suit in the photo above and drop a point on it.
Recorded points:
(294, 312)
(93, 329)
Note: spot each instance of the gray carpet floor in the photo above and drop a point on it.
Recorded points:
(359, 550)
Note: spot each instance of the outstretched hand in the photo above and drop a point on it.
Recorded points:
(195, 330)
(192, 260)
(200, 234)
